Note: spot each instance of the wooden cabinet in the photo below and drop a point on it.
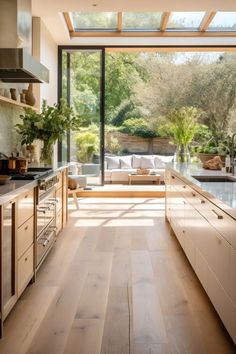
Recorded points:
(206, 234)
(8, 264)
(25, 236)
(25, 207)
(25, 269)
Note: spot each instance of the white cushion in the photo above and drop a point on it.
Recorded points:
(125, 162)
(136, 161)
(147, 162)
(112, 162)
(158, 162)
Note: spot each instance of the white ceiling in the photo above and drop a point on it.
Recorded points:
(50, 12)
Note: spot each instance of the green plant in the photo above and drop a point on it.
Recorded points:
(183, 125)
(137, 127)
(48, 126)
(112, 145)
(88, 145)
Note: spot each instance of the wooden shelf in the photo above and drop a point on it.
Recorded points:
(16, 103)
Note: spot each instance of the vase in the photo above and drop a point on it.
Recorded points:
(29, 96)
(46, 153)
(182, 154)
(13, 94)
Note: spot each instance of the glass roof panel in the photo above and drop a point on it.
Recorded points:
(185, 20)
(94, 21)
(141, 21)
(223, 21)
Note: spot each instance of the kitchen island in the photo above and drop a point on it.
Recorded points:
(202, 215)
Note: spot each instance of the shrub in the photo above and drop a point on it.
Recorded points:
(137, 127)
(87, 144)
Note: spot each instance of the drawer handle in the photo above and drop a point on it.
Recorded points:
(194, 194)
(26, 259)
(184, 186)
(26, 228)
(173, 177)
(203, 201)
(26, 196)
(219, 216)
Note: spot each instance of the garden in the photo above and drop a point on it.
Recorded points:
(154, 102)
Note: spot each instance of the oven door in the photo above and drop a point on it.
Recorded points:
(45, 242)
(46, 211)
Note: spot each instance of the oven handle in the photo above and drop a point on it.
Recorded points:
(46, 240)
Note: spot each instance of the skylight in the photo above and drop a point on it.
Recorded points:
(94, 21)
(142, 21)
(185, 20)
(223, 21)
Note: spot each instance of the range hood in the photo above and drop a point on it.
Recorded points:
(16, 62)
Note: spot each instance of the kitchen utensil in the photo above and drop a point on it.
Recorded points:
(4, 179)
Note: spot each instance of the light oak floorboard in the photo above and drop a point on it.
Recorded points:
(116, 282)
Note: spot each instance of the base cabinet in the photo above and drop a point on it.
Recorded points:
(201, 228)
(18, 242)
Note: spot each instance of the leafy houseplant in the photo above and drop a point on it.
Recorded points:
(48, 126)
(183, 125)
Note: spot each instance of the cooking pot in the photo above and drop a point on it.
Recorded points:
(11, 163)
(21, 164)
(3, 164)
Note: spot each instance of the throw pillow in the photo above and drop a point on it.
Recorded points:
(159, 163)
(72, 183)
(112, 162)
(125, 162)
(147, 162)
(136, 161)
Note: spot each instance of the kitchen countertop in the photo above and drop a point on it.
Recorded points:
(221, 194)
(13, 189)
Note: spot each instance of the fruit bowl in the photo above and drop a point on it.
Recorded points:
(4, 179)
(143, 171)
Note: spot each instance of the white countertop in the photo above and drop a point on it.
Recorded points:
(221, 194)
(13, 189)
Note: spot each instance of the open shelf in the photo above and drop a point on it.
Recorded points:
(16, 103)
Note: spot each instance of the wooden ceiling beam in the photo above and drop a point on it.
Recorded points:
(172, 34)
(69, 22)
(119, 21)
(164, 21)
(208, 17)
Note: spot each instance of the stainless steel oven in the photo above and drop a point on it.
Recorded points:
(45, 217)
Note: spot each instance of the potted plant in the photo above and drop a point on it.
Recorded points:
(183, 125)
(215, 146)
(48, 126)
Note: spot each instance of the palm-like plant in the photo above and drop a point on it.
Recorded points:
(183, 126)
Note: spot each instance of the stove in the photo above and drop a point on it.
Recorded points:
(32, 174)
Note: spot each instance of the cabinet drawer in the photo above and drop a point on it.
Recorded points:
(25, 207)
(25, 236)
(221, 221)
(59, 199)
(59, 221)
(214, 215)
(233, 276)
(59, 180)
(25, 269)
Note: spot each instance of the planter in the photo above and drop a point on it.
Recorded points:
(206, 157)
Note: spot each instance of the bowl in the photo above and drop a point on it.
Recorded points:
(4, 179)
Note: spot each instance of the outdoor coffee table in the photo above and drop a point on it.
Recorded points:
(155, 179)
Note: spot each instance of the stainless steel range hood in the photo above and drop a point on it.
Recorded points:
(16, 62)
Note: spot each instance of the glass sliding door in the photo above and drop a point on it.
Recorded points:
(83, 87)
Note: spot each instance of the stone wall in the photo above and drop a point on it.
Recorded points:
(135, 144)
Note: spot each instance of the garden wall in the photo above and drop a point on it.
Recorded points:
(135, 144)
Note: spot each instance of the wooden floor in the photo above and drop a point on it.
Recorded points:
(117, 282)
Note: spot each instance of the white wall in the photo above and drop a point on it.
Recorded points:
(45, 50)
